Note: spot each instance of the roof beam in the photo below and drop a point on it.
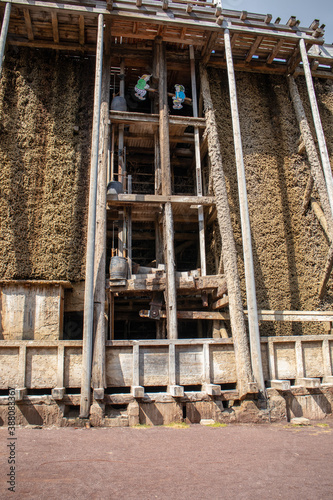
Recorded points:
(275, 52)
(253, 49)
(207, 49)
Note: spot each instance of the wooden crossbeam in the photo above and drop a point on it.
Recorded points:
(314, 25)
(263, 315)
(218, 10)
(81, 30)
(268, 18)
(253, 49)
(219, 304)
(291, 21)
(28, 24)
(275, 52)
(55, 27)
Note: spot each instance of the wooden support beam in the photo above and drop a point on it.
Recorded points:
(81, 30)
(4, 31)
(219, 304)
(254, 48)
(242, 355)
(243, 15)
(189, 8)
(88, 316)
(245, 224)
(28, 24)
(109, 4)
(275, 51)
(165, 4)
(198, 176)
(318, 125)
(55, 29)
(138, 3)
(98, 367)
(168, 231)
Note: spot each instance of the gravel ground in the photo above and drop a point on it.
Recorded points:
(233, 462)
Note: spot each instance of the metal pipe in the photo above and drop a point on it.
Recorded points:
(90, 256)
(325, 160)
(4, 31)
(201, 217)
(255, 347)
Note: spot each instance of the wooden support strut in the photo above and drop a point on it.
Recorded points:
(98, 368)
(311, 151)
(89, 283)
(201, 215)
(318, 125)
(171, 294)
(245, 224)
(4, 31)
(242, 355)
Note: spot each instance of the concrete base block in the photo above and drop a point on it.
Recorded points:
(176, 391)
(212, 389)
(98, 393)
(20, 393)
(308, 383)
(137, 391)
(328, 380)
(58, 393)
(280, 385)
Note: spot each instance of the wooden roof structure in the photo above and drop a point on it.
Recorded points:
(258, 44)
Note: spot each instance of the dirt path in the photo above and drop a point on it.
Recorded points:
(234, 462)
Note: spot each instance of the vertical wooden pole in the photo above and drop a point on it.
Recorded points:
(171, 294)
(201, 216)
(237, 321)
(98, 368)
(325, 160)
(4, 31)
(90, 256)
(245, 224)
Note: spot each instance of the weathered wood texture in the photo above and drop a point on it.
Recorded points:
(242, 354)
(88, 317)
(245, 223)
(168, 232)
(98, 367)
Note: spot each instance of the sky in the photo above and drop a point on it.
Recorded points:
(305, 10)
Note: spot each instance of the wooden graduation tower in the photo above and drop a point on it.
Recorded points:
(163, 310)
